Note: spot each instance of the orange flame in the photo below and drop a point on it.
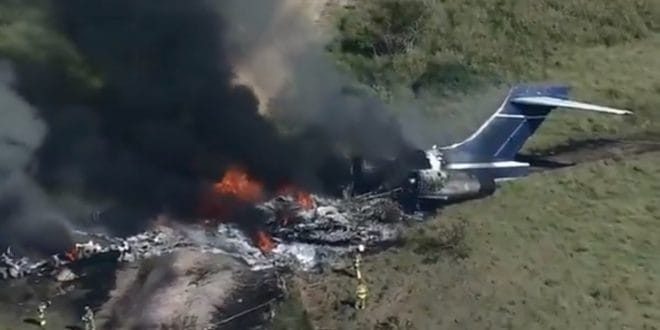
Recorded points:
(304, 199)
(71, 253)
(235, 186)
(237, 183)
(264, 241)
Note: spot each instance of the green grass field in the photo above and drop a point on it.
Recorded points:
(624, 75)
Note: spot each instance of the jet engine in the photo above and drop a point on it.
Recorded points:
(449, 186)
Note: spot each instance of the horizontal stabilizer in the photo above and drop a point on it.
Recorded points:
(557, 102)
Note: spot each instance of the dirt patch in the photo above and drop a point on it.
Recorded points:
(576, 152)
(180, 289)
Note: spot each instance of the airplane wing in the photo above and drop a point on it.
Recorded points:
(557, 102)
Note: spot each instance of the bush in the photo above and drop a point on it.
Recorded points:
(29, 39)
(449, 46)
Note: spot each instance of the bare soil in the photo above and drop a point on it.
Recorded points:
(185, 290)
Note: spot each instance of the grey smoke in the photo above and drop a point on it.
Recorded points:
(450, 118)
(278, 49)
(21, 129)
(172, 114)
(299, 80)
(28, 219)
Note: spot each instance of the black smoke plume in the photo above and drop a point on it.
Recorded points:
(168, 118)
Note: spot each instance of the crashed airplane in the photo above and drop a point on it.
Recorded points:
(307, 231)
(472, 168)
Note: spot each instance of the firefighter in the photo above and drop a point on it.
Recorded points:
(41, 312)
(361, 290)
(88, 319)
(357, 261)
(361, 293)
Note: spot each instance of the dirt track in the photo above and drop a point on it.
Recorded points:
(178, 289)
(578, 152)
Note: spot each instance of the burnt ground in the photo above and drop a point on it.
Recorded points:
(186, 290)
(252, 304)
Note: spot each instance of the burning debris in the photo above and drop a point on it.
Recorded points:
(293, 235)
(155, 145)
(237, 183)
(295, 229)
(133, 248)
(334, 222)
(149, 144)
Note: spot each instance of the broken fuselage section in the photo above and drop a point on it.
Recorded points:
(442, 185)
(470, 168)
(420, 181)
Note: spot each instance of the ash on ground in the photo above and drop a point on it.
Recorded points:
(208, 273)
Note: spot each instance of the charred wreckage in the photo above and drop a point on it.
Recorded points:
(298, 233)
(304, 230)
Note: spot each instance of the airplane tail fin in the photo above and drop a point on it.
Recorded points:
(500, 138)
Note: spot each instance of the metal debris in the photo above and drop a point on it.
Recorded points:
(141, 246)
(304, 237)
(335, 222)
(65, 275)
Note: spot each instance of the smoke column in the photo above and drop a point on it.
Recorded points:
(170, 113)
(25, 211)
(276, 47)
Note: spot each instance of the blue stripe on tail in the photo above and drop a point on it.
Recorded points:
(506, 131)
